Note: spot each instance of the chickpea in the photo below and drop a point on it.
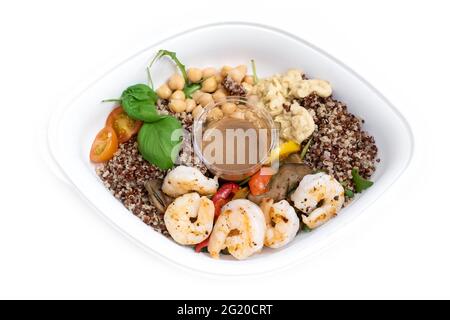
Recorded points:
(247, 87)
(194, 74)
(242, 68)
(178, 95)
(240, 115)
(196, 95)
(253, 99)
(197, 111)
(248, 79)
(228, 107)
(250, 116)
(190, 105)
(205, 99)
(208, 72)
(220, 88)
(215, 114)
(219, 78)
(164, 91)
(219, 95)
(209, 85)
(177, 105)
(236, 75)
(225, 70)
(176, 82)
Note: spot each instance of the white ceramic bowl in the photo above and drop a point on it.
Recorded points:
(73, 128)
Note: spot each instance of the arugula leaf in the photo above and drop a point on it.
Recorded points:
(190, 89)
(161, 53)
(305, 149)
(157, 143)
(306, 229)
(349, 193)
(359, 182)
(204, 249)
(139, 102)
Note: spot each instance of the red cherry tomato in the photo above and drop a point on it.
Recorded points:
(104, 145)
(124, 126)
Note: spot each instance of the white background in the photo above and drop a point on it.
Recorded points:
(53, 245)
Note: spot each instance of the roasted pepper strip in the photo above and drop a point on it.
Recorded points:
(199, 247)
(259, 183)
(224, 195)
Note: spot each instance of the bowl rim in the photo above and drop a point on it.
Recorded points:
(59, 111)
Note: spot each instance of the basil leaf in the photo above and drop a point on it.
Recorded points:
(159, 142)
(190, 89)
(139, 102)
(359, 182)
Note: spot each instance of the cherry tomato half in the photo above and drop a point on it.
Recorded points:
(104, 146)
(124, 126)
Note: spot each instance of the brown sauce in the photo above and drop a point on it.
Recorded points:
(235, 144)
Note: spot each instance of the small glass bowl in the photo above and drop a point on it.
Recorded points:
(245, 111)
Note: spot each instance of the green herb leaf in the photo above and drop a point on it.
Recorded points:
(255, 77)
(159, 142)
(204, 249)
(349, 193)
(190, 89)
(161, 53)
(112, 100)
(139, 101)
(306, 229)
(305, 149)
(359, 182)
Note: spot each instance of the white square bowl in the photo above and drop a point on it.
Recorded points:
(73, 128)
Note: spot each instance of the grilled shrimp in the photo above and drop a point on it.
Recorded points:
(189, 219)
(185, 179)
(320, 196)
(282, 223)
(240, 228)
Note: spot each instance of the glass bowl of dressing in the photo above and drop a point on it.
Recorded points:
(234, 138)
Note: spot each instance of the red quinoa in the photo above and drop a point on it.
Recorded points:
(126, 173)
(339, 144)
